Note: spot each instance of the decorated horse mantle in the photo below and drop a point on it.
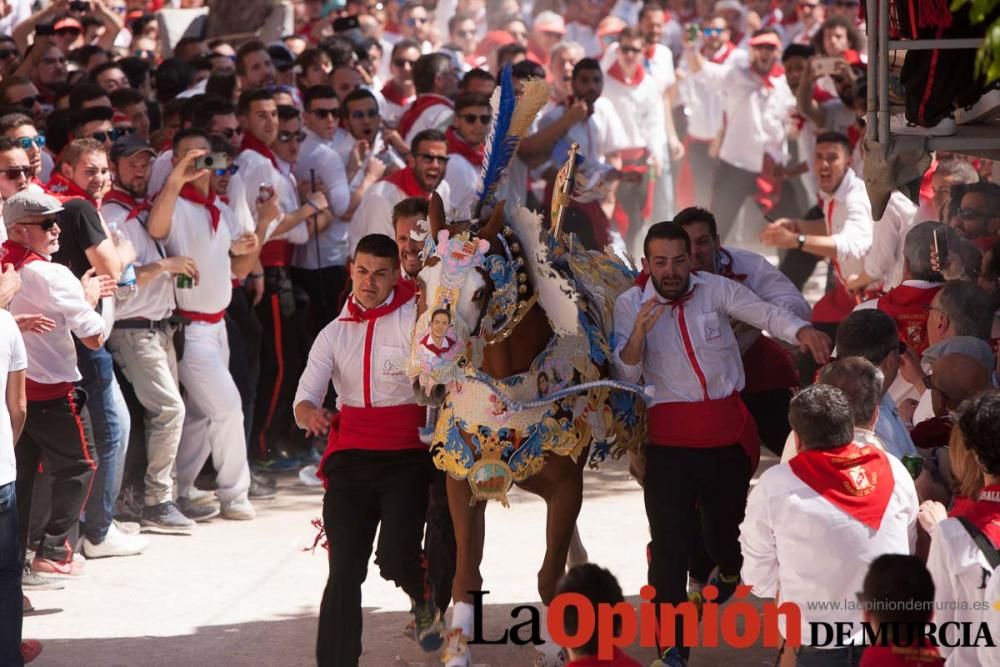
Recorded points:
(495, 432)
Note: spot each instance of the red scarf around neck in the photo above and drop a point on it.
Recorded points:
(984, 513)
(19, 255)
(132, 205)
(857, 480)
(64, 189)
(775, 72)
(420, 104)
(192, 194)
(616, 72)
(402, 292)
(459, 146)
(252, 143)
(406, 180)
(392, 93)
(723, 53)
(909, 306)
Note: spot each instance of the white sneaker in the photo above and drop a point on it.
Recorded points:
(198, 497)
(944, 128)
(115, 543)
(308, 476)
(983, 110)
(238, 509)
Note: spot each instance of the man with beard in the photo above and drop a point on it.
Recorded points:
(673, 330)
(466, 135)
(974, 212)
(253, 66)
(21, 129)
(142, 342)
(423, 174)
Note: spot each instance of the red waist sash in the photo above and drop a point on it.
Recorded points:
(713, 423)
(387, 429)
(276, 253)
(208, 318)
(40, 391)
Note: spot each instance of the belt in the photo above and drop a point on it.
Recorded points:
(142, 323)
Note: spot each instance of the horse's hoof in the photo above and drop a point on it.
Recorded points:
(550, 659)
(456, 651)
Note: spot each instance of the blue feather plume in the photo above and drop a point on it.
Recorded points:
(499, 146)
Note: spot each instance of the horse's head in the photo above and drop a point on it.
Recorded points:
(455, 292)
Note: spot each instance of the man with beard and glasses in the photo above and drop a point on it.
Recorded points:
(423, 175)
(142, 343)
(673, 329)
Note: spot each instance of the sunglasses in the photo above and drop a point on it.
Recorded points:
(360, 115)
(629, 49)
(231, 170)
(27, 142)
(27, 102)
(325, 113)
(427, 157)
(47, 224)
(712, 32)
(231, 132)
(14, 173)
(403, 62)
(113, 135)
(471, 118)
(7, 53)
(285, 137)
(66, 32)
(971, 214)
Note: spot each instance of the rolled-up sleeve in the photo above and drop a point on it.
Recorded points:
(626, 309)
(855, 239)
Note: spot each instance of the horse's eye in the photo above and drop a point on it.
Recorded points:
(479, 295)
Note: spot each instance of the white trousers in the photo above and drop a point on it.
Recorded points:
(213, 423)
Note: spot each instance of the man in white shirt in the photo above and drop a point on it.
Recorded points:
(468, 131)
(844, 235)
(191, 221)
(142, 341)
(423, 175)
(436, 82)
(58, 426)
(399, 91)
(13, 411)
(757, 107)
(673, 330)
(375, 469)
(963, 573)
(815, 523)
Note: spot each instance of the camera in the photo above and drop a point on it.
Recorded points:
(212, 161)
(79, 6)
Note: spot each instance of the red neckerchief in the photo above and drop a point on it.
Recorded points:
(125, 200)
(722, 54)
(420, 104)
(19, 255)
(926, 655)
(252, 143)
(406, 180)
(643, 278)
(985, 513)
(64, 189)
(984, 243)
(857, 480)
(908, 306)
(650, 51)
(403, 292)
(392, 94)
(459, 146)
(191, 193)
(429, 344)
(616, 72)
(726, 270)
(775, 72)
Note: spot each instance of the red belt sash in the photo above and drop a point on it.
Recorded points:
(208, 318)
(276, 253)
(768, 366)
(40, 391)
(386, 429)
(712, 423)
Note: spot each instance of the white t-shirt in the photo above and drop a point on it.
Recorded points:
(12, 358)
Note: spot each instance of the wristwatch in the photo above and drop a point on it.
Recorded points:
(801, 240)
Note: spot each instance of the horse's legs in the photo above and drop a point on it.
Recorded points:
(577, 552)
(470, 533)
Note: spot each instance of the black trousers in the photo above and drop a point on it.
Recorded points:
(730, 189)
(439, 541)
(243, 330)
(282, 346)
(770, 410)
(322, 290)
(685, 485)
(60, 430)
(366, 489)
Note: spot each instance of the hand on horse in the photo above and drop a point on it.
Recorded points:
(816, 343)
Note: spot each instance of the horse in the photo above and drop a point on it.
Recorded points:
(521, 388)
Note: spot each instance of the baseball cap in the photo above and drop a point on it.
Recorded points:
(27, 203)
(68, 23)
(128, 145)
(281, 56)
(549, 21)
(766, 39)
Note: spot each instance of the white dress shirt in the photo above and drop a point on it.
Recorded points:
(960, 570)
(316, 156)
(160, 170)
(462, 177)
(256, 170)
(374, 213)
(13, 358)
(287, 189)
(848, 215)
(665, 362)
(703, 101)
(52, 290)
(799, 546)
(599, 136)
(767, 282)
(757, 115)
(154, 300)
(340, 355)
(191, 235)
(885, 260)
(640, 110)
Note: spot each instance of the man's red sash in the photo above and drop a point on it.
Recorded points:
(712, 423)
(857, 480)
(386, 429)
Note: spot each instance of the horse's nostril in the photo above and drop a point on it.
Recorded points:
(437, 394)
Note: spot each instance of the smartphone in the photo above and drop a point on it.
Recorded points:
(212, 161)
(345, 23)
(45, 29)
(79, 6)
(693, 31)
(941, 247)
(825, 66)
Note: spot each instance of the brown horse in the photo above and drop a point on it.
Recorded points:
(474, 417)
